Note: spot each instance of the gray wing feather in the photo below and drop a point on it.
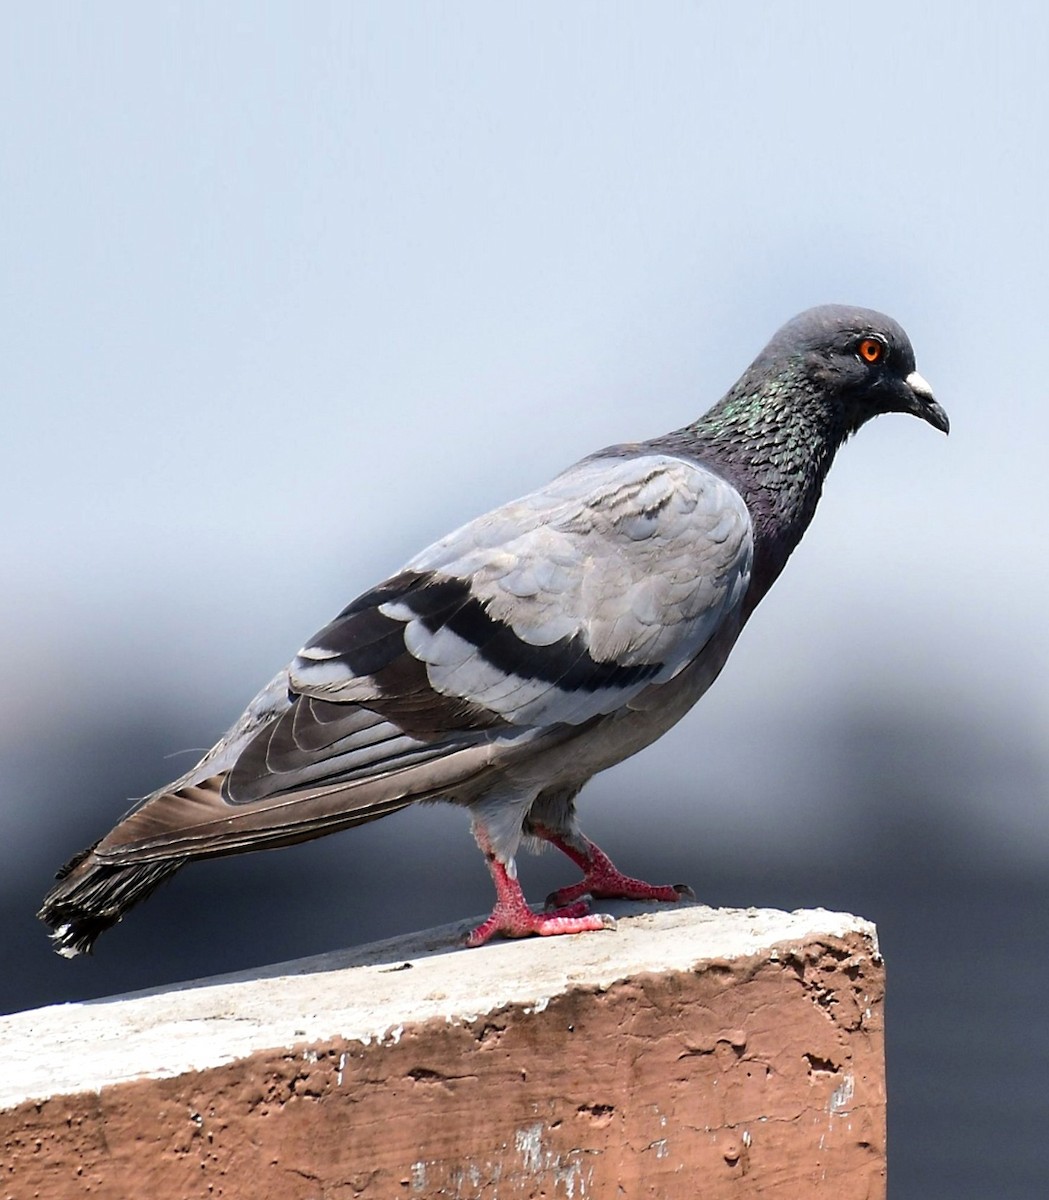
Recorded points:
(630, 564)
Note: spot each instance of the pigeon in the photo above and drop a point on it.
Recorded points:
(528, 650)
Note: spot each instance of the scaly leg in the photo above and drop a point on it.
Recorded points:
(513, 918)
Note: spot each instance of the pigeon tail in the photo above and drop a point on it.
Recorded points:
(92, 896)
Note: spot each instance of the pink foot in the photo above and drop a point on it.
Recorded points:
(602, 879)
(513, 918)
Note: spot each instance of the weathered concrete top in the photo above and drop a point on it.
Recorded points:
(368, 994)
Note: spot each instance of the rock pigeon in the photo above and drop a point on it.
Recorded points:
(535, 646)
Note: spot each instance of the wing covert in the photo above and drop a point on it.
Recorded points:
(555, 608)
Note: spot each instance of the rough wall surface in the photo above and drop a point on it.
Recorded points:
(753, 1074)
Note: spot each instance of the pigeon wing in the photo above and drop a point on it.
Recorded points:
(511, 632)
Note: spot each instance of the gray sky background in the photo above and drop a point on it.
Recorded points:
(288, 291)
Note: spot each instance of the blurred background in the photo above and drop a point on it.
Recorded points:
(290, 291)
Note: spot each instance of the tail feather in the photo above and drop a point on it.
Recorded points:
(195, 818)
(91, 896)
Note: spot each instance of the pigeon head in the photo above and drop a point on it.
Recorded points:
(776, 431)
(859, 359)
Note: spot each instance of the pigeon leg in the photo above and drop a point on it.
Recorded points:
(601, 878)
(512, 916)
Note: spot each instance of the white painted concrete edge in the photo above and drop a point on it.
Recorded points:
(370, 993)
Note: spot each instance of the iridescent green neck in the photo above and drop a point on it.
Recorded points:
(774, 438)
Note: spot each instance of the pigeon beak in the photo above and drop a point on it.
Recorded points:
(923, 403)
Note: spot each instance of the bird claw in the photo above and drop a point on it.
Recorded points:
(614, 886)
(573, 919)
(602, 879)
(571, 904)
(578, 908)
(512, 916)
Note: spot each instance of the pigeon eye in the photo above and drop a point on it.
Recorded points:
(871, 350)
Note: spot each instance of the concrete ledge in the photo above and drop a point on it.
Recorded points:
(739, 1050)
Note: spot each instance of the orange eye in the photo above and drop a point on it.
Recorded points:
(871, 350)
